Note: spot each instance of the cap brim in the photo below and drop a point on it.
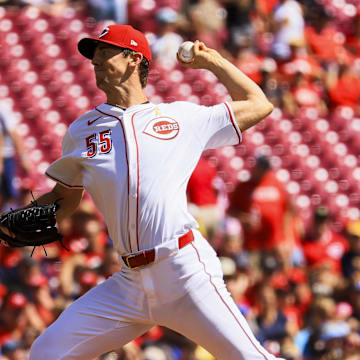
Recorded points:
(87, 46)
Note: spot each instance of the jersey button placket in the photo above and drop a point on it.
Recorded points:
(132, 157)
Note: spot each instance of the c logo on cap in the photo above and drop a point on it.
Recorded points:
(104, 32)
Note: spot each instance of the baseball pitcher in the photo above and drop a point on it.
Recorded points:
(135, 159)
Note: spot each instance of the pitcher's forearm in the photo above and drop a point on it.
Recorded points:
(47, 198)
(68, 200)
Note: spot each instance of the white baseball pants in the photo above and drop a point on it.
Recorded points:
(184, 292)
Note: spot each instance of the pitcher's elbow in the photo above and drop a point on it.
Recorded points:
(264, 109)
(268, 108)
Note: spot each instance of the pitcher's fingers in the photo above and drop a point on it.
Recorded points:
(202, 46)
(196, 48)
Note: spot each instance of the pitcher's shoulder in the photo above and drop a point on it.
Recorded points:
(82, 120)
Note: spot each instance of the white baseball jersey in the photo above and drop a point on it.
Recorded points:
(136, 163)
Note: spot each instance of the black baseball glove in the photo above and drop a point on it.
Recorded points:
(33, 226)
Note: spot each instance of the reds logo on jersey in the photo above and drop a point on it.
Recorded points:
(163, 128)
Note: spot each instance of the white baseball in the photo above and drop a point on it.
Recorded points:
(186, 51)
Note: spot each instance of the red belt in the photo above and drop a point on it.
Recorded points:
(148, 256)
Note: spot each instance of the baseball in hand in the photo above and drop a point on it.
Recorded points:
(186, 51)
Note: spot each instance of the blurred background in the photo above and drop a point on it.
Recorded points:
(281, 209)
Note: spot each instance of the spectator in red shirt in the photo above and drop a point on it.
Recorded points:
(322, 245)
(261, 205)
(305, 93)
(203, 199)
(353, 39)
(266, 7)
(323, 40)
(344, 87)
(13, 318)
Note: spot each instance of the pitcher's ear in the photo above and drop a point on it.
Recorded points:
(136, 58)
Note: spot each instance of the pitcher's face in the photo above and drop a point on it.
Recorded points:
(110, 66)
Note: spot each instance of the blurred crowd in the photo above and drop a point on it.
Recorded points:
(297, 284)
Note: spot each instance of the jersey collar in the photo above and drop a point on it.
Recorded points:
(107, 108)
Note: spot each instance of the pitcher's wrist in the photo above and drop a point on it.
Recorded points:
(216, 63)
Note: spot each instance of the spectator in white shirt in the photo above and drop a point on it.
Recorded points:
(289, 28)
(167, 42)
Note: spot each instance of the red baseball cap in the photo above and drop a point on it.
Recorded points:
(124, 36)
